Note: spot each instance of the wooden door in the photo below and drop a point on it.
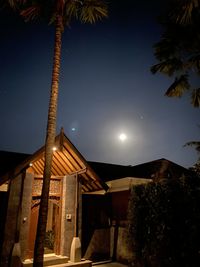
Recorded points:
(56, 224)
(32, 231)
(57, 230)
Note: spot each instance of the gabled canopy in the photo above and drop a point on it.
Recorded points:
(66, 161)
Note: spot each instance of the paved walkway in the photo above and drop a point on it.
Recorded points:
(109, 264)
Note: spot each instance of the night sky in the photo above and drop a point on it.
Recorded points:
(106, 88)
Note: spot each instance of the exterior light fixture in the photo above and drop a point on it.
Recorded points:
(54, 148)
(30, 164)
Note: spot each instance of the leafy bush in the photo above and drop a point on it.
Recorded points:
(164, 223)
(49, 239)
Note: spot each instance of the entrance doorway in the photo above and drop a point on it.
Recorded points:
(52, 240)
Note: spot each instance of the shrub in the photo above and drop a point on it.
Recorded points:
(164, 223)
(49, 239)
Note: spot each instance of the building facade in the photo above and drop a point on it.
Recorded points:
(88, 200)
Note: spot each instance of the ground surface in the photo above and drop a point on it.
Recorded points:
(110, 264)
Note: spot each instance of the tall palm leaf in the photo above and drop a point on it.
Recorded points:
(195, 144)
(178, 51)
(61, 13)
(185, 11)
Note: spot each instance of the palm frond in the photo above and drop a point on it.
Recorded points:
(178, 87)
(87, 11)
(15, 3)
(165, 49)
(168, 66)
(30, 13)
(194, 62)
(185, 16)
(71, 10)
(92, 11)
(195, 99)
(195, 144)
(183, 13)
(52, 18)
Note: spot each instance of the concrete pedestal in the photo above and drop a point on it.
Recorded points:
(75, 253)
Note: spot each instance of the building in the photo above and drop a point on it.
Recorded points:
(87, 200)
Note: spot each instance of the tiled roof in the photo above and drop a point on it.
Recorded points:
(9, 160)
(94, 175)
(148, 170)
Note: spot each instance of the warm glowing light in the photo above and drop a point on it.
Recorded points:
(30, 164)
(54, 148)
(122, 137)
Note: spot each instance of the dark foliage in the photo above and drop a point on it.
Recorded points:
(164, 220)
(177, 52)
(49, 239)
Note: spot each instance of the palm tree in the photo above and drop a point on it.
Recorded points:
(61, 13)
(184, 11)
(178, 51)
(196, 145)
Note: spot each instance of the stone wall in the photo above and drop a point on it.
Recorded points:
(105, 227)
(123, 254)
(3, 208)
(11, 230)
(25, 214)
(68, 220)
(99, 246)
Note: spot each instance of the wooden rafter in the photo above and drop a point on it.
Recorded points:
(67, 160)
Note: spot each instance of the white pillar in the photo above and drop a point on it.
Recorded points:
(75, 253)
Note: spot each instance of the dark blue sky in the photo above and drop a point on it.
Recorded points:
(106, 88)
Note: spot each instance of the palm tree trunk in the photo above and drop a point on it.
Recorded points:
(49, 143)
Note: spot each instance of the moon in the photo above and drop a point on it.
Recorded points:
(122, 137)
